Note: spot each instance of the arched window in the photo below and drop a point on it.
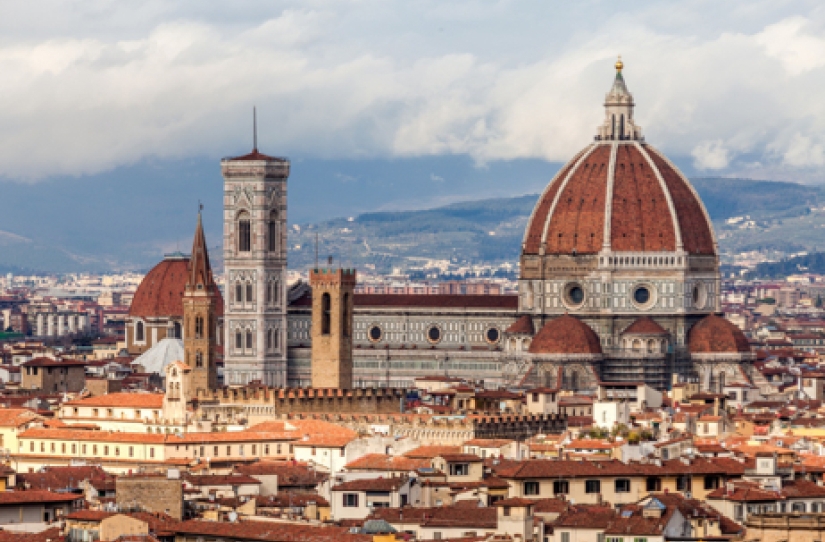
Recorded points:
(347, 316)
(325, 314)
(238, 340)
(199, 359)
(272, 231)
(249, 292)
(139, 334)
(249, 339)
(270, 339)
(276, 292)
(239, 293)
(244, 232)
(275, 334)
(199, 327)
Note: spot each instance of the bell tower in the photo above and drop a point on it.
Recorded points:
(332, 304)
(200, 318)
(254, 245)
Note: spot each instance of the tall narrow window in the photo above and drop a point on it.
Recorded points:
(199, 359)
(199, 327)
(249, 292)
(276, 291)
(239, 293)
(139, 335)
(176, 330)
(275, 334)
(238, 341)
(621, 127)
(269, 292)
(272, 233)
(347, 316)
(325, 314)
(249, 339)
(244, 233)
(269, 334)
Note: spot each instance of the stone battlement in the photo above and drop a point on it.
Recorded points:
(332, 276)
(260, 404)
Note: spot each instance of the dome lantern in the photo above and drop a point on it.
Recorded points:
(618, 123)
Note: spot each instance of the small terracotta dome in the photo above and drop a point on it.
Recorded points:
(645, 326)
(566, 335)
(160, 293)
(522, 326)
(715, 335)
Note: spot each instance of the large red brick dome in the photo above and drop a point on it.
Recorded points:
(716, 335)
(160, 293)
(566, 335)
(621, 195)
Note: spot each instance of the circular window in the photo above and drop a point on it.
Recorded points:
(573, 295)
(375, 333)
(434, 334)
(643, 297)
(493, 335)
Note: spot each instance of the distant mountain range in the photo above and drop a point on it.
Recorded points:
(100, 225)
(779, 218)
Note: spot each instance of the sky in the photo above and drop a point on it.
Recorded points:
(95, 88)
(91, 85)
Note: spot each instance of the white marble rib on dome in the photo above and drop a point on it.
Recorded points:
(159, 356)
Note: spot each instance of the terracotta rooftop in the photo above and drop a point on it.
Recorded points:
(716, 335)
(645, 326)
(570, 216)
(161, 291)
(121, 399)
(522, 326)
(566, 335)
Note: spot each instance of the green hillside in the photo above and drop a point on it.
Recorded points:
(780, 218)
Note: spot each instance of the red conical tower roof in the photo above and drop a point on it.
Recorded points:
(200, 272)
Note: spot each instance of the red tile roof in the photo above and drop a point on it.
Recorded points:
(381, 462)
(522, 326)
(268, 531)
(161, 291)
(121, 399)
(645, 326)
(566, 335)
(716, 335)
(570, 216)
(36, 496)
(372, 484)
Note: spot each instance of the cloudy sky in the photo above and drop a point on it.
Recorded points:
(730, 88)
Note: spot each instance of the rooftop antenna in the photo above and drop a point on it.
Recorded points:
(254, 129)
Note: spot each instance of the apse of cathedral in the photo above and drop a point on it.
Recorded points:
(619, 284)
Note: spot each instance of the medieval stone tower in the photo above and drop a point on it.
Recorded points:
(200, 316)
(332, 304)
(255, 259)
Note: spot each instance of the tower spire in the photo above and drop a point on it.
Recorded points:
(254, 129)
(200, 272)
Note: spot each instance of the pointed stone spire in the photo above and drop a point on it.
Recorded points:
(618, 104)
(200, 272)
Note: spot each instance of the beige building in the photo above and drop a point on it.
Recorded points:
(53, 375)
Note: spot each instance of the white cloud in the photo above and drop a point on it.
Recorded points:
(710, 155)
(88, 86)
(802, 151)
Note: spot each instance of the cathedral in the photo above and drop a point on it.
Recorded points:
(619, 282)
